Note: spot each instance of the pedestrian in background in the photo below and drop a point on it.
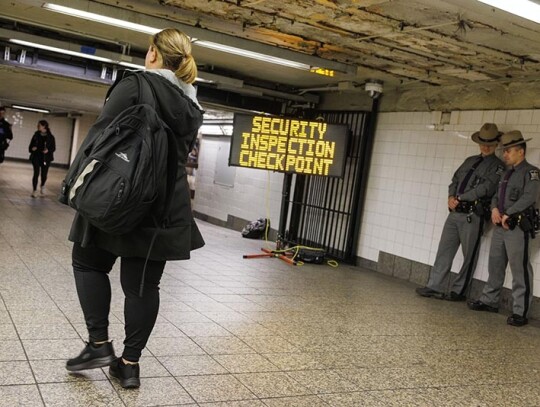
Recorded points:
(5, 133)
(42, 147)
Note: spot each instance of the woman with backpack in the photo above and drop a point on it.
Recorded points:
(143, 252)
(42, 147)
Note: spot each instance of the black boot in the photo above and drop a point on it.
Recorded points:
(517, 320)
(92, 357)
(128, 374)
(428, 292)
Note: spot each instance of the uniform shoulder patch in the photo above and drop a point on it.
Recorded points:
(500, 170)
(534, 175)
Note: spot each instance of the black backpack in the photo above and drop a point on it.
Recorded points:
(256, 229)
(115, 181)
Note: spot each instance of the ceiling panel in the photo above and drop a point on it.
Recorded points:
(425, 43)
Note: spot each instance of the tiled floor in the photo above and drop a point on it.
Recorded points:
(235, 332)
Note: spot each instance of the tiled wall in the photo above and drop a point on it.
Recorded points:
(413, 163)
(85, 123)
(255, 193)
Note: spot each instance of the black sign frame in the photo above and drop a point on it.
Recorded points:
(289, 145)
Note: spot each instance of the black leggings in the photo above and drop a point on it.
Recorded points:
(91, 267)
(44, 166)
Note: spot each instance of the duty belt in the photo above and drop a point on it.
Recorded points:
(479, 207)
(465, 207)
(528, 221)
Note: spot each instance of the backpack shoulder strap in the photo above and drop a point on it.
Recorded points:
(172, 169)
(143, 82)
(172, 154)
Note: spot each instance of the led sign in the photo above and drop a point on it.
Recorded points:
(288, 145)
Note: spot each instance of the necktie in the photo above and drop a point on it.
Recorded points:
(465, 181)
(502, 190)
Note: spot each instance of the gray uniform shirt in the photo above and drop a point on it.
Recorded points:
(521, 190)
(483, 182)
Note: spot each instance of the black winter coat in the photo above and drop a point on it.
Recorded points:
(5, 133)
(184, 117)
(42, 142)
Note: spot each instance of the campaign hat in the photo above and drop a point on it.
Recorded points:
(512, 138)
(488, 135)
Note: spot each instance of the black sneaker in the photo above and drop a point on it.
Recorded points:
(92, 357)
(126, 373)
(517, 320)
(428, 292)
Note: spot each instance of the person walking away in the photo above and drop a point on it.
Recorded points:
(6, 135)
(170, 69)
(469, 194)
(513, 212)
(42, 147)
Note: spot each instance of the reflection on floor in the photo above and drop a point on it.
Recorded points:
(234, 332)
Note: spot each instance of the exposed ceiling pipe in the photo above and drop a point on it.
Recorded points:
(340, 87)
(287, 96)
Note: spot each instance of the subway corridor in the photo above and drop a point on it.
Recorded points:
(235, 332)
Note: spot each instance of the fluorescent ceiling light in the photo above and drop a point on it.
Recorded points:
(522, 8)
(152, 30)
(87, 56)
(61, 50)
(216, 129)
(101, 19)
(252, 54)
(30, 109)
(130, 65)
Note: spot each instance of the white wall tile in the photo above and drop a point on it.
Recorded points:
(255, 193)
(454, 117)
(488, 116)
(477, 117)
(536, 117)
(512, 117)
(525, 117)
(500, 118)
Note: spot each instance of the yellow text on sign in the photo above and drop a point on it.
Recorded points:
(287, 145)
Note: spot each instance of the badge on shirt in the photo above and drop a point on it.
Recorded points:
(533, 175)
(500, 170)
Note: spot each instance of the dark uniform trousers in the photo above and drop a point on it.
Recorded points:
(457, 231)
(513, 246)
(474, 181)
(518, 191)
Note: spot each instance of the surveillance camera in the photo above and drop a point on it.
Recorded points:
(374, 88)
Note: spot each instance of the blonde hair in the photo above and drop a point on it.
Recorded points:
(174, 49)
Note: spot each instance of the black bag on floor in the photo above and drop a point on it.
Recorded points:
(311, 256)
(255, 229)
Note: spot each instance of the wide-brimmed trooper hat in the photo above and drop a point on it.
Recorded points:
(512, 138)
(488, 135)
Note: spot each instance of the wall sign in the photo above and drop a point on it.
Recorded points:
(289, 145)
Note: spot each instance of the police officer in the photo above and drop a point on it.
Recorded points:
(469, 194)
(513, 212)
